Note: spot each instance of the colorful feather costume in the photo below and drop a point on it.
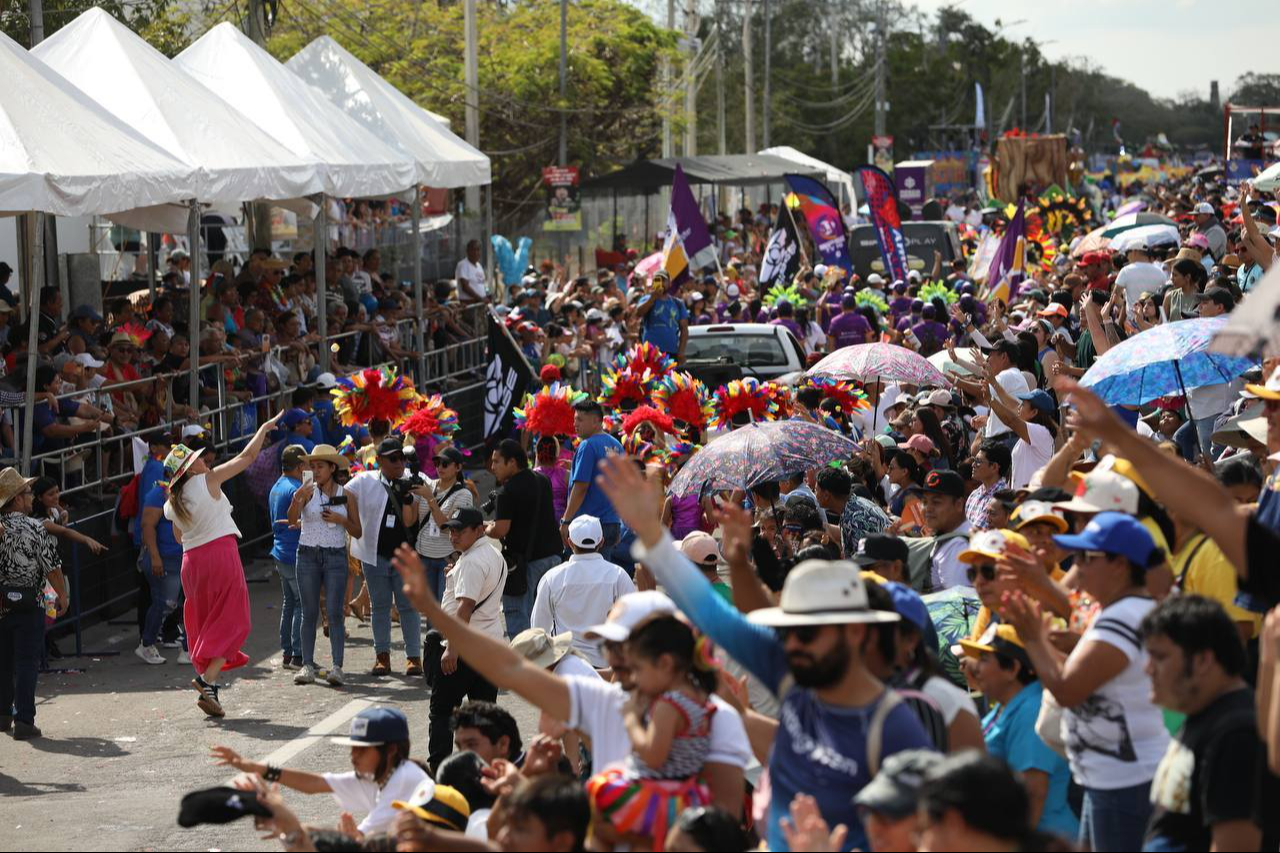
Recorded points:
(684, 399)
(846, 396)
(618, 387)
(743, 395)
(550, 411)
(868, 296)
(373, 394)
(432, 418)
(646, 357)
(648, 415)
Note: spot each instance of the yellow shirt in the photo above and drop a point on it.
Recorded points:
(1201, 568)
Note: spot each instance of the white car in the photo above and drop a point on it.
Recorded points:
(724, 351)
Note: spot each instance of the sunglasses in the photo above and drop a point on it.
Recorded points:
(804, 634)
(987, 570)
(441, 462)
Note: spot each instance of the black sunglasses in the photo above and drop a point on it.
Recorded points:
(987, 570)
(440, 461)
(804, 634)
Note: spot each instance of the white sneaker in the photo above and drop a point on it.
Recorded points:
(183, 657)
(170, 644)
(335, 677)
(306, 675)
(148, 654)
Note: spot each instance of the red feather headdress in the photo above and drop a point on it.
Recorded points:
(648, 415)
(373, 394)
(550, 411)
(684, 399)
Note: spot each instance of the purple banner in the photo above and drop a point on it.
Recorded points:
(882, 203)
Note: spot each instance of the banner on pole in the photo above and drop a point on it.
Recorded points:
(882, 204)
(822, 215)
(1009, 266)
(781, 259)
(507, 379)
(688, 246)
(564, 209)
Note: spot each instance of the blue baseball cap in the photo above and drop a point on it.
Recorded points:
(375, 727)
(1040, 399)
(1112, 533)
(911, 607)
(293, 417)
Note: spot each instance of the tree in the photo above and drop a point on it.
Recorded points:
(161, 22)
(1257, 90)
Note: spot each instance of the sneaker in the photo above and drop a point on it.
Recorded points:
(208, 701)
(183, 657)
(25, 731)
(170, 644)
(335, 677)
(288, 662)
(149, 654)
(306, 675)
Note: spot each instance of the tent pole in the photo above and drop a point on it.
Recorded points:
(419, 341)
(153, 257)
(193, 304)
(487, 244)
(34, 224)
(320, 251)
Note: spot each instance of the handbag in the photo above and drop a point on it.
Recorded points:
(21, 599)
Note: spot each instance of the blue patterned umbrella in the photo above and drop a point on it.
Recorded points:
(761, 452)
(1165, 359)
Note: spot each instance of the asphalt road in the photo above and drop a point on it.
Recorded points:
(124, 740)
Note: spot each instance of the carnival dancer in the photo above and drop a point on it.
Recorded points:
(217, 608)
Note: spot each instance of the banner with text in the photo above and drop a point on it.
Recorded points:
(564, 210)
(882, 204)
(822, 215)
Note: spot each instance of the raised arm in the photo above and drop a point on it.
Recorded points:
(242, 460)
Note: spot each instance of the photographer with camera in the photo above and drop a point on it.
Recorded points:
(326, 515)
(387, 514)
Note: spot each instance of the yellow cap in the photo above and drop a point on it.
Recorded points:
(1031, 512)
(997, 638)
(991, 545)
(1126, 469)
(438, 804)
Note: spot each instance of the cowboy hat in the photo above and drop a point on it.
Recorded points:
(540, 648)
(328, 453)
(12, 484)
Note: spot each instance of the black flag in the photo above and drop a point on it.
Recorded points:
(781, 259)
(506, 380)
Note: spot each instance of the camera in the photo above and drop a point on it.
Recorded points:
(403, 489)
(338, 500)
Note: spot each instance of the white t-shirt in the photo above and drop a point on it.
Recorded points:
(474, 274)
(479, 573)
(1030, 457)
(432, 541)
(362, 796)
(575, 595)
(1116, 737)
(1140, 278)
(945, 569)
(596, 711)
(1014, 384)
(575, 666)
(210, 519)
(951, 700)
(478, 824)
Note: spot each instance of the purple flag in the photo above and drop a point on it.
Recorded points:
(688, 245)
(1009, 265)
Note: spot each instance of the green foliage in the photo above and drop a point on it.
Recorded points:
(161, 22)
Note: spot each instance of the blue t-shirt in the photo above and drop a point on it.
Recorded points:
(819, 749)
(284, 537)
(661, 326)
(322, 418)
(151, 473)
(1010, 733)
(586, 462)
(168, 546)
(43, 417)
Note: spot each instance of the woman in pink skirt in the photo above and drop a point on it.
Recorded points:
(217, 609)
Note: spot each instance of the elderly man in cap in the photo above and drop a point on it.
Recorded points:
(1207, 224)
(387, 516)
(807, 651)
(580, 593)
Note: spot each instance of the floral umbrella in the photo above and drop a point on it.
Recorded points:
(870, 362)
(760, 453)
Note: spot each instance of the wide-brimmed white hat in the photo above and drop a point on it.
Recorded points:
(822, 592)
(540, 648)
(180, 458)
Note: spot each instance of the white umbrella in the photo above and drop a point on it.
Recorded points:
(942, 360)
(1268, 179)
(1254, 325)
(1145, 236)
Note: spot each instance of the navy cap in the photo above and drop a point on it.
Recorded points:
(1040, 399)
(464, 517)
(1112, 533)
(896, 788)
(376, 726)
(391, 444)
(880, 548)
(452, 455)
(293, 417)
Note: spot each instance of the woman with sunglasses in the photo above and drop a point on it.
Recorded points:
(1115, 735)
(438, 501)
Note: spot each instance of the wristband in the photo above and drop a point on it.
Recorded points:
(272, 773)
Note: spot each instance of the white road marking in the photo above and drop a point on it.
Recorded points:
(330, 724)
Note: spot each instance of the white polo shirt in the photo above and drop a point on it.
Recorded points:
(478, 575)
(575, 595)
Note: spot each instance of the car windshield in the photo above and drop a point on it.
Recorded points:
(747, 350)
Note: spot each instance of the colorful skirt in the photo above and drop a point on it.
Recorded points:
(646, 807)
(216, 613)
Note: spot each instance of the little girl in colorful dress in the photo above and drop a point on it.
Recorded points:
(668, 719)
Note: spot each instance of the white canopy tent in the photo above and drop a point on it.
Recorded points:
(237, 161)
(354, 161)
(62, 153)
(444, 159)
(842, 180)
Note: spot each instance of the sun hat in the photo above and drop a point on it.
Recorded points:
(12, 484)
(327, 453)
(180, 458)
(822, 592)
(540, 648)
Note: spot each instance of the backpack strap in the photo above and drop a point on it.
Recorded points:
(875, 731)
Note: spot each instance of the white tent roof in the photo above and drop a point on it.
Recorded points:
(237, 161)
(61, 153)
(298, 116)
(444, 159)
(835, 175)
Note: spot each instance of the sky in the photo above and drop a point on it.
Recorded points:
(1164, 46)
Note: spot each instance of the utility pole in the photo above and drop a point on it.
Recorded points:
(35, 11)
(259, 212)
(690, 80)
(749, 86)
(472, 81)
(668, 89)
(1023, 123)
(882, 106)
(1052, 98)
(835, 49)
(564, 77)
(768, 71)
(720, 115)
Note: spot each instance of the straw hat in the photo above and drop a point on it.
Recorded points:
(12, 484)
(328, 453)
(540, 648)
(180, 458)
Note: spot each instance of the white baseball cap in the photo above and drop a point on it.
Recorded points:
(1204, 207)
(192, 430)
(822, 592)
(1103, 491)
(875, 278)
(733, 291)
(913, 275)
(820, 270)
(628, 612)
(327, 380)
(84, 359)
(585, 531)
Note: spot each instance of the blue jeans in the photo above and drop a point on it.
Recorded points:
(384, 587)
(435, 575)
(164, 593)
(1195, 435)
(327, 567)
(1115, 819)
(518, 608)
(21, 647)
(290, 610)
